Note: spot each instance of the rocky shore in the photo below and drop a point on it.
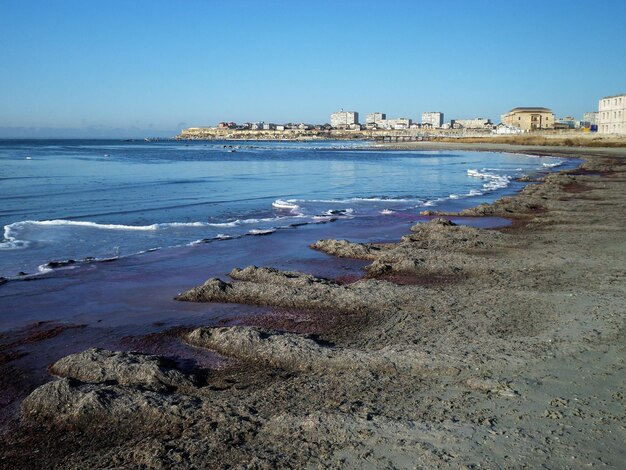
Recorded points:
(459, 348)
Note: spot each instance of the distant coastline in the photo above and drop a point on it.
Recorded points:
(559, 138)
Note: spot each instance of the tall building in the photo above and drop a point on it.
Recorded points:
(434, 118)
(529, 119)
(375, 118)
(344, 119)
(612, 114)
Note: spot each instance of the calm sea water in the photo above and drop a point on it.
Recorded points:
(84, 201)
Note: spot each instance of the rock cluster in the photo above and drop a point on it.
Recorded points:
(268, 286)
(300, 353)
(130, 369)
(439, 247)
(100, 383)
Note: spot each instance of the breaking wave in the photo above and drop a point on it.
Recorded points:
(493, 181)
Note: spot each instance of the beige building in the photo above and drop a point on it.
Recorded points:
(529, 119)
(612, 115)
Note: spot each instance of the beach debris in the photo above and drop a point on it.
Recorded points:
(531, 200)
(346, 249)
(72, 400)
(491, 386)
(271, 287)
(295, 352)
(98, 384)
(133, 369)
(439, 247)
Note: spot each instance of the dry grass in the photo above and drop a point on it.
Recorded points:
(558, 141)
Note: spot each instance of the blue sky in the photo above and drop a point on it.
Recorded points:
(149, 67)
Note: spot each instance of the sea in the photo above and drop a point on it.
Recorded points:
(100, 236)
(69, 203)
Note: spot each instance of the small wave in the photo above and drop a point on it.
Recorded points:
(353, 200)
(477, 174)
(9, 230)
(258, 231)
(78, 223)
(494, 181)
(199, 241)
(234, 223)
(13, 244)
(387, 212)
(287, 205)
(552, 165)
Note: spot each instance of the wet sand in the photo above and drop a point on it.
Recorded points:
(456, 348)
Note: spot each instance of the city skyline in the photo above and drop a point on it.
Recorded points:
(153, 68)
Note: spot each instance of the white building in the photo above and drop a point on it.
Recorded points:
(477, 123)
(397, 123)
(434, 118)
(612, 114)
(375, 118)
(506, 129)
(343, 119)
(591, 118)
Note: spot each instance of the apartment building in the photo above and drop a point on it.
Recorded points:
(612, 114)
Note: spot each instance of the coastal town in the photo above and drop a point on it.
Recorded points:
(610, 118)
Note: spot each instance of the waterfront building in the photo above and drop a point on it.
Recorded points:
(506, 129)
(268, 126)
(434, 118)
(529, 118)
(397, 123)
(612, 114)
(591, 118)
(375, 118)
(344, 119)
(568, 122)
(477, 123)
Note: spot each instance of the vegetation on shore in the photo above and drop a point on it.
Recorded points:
(540, 140)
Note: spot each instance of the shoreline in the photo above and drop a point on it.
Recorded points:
(414, 369)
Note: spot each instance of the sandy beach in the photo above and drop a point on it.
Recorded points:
(459, 347)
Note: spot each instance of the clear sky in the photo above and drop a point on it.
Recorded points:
(123, 68)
